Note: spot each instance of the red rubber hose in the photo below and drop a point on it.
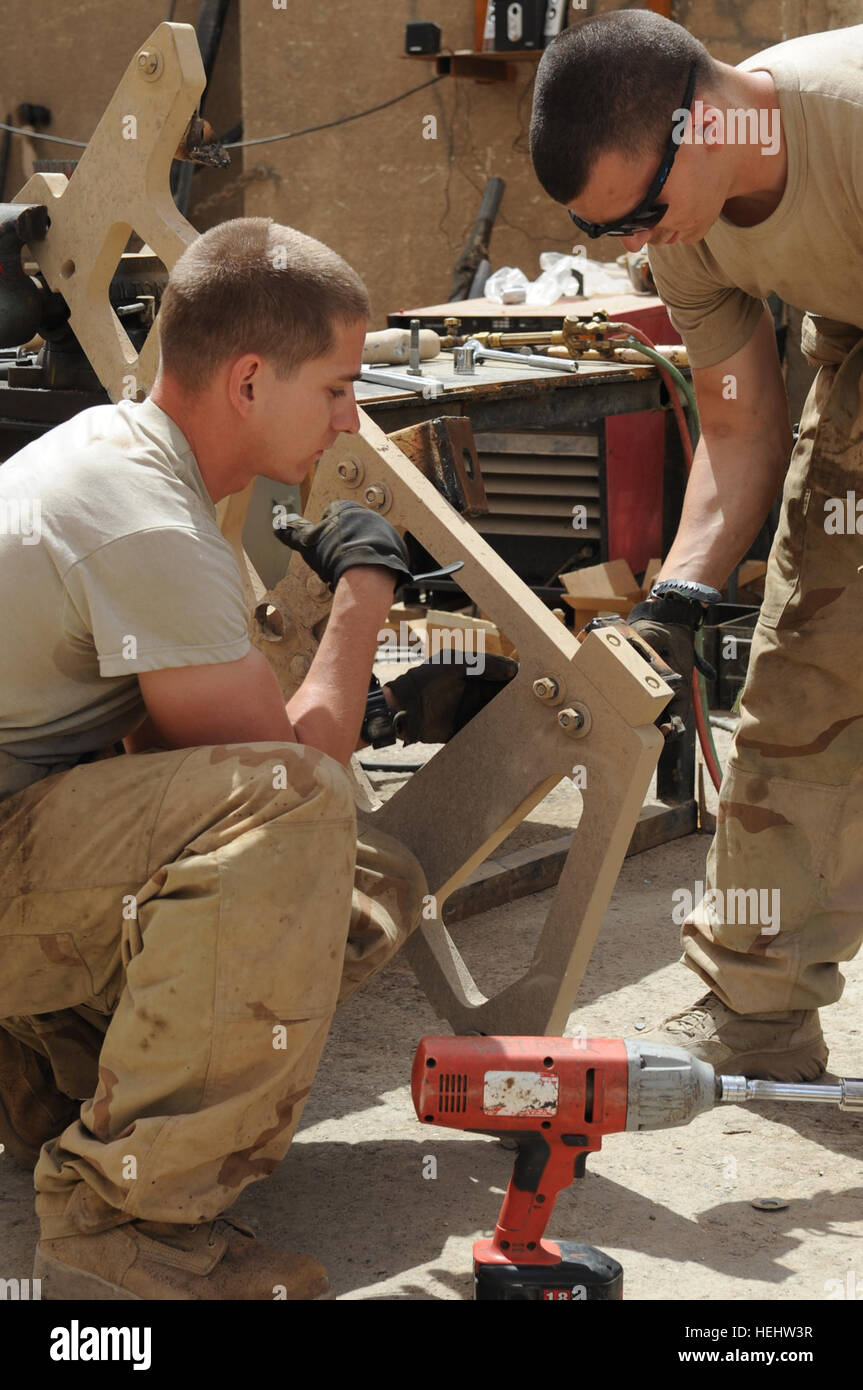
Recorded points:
(699, 709)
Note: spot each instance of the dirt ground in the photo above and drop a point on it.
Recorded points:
(674, 1207)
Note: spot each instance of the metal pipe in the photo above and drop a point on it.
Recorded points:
(847, 1092)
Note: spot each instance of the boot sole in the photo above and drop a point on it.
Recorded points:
(64, 1282)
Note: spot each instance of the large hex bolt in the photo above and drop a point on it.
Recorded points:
(377, 496)
(546, 689)
(150, 62)
(575, 721)
(350, 472)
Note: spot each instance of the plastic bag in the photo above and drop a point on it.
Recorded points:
(556, 280)
(600, 277)
(507, 278)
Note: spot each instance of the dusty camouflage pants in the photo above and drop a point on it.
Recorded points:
(206, 922)
(791, 807)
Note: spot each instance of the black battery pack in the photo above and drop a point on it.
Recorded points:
(583, 1275)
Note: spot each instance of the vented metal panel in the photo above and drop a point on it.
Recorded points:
(533, 481)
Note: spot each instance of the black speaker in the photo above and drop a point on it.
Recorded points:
(422, 38)
(519, 24)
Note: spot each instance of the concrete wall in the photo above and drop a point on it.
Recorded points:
(399, 206)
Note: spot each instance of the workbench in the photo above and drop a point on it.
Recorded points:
(607, 444)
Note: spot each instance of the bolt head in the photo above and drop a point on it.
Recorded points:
(570, 720)
(546, 688)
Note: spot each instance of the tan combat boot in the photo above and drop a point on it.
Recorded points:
(771, 1046)
(32, 1110)
(157, 1260)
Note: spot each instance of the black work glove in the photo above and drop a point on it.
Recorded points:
(347, 535)
(439, 698)
(668, 624)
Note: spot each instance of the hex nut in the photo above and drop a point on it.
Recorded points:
(575, 721)
(546, 689)
(150, 62)
(349, 471)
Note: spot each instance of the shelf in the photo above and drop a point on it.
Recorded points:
(482, 67)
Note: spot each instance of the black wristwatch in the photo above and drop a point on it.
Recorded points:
(686, 588)
(379, 724)
(699, 596)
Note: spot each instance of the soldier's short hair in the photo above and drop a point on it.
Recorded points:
(611, 82)
(253, 285)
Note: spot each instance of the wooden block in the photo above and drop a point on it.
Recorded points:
(612, 579)
(402, 613)
(438, 618)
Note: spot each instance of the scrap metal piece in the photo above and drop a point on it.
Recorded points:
(199, 145)
(444, 451)
(428, 387)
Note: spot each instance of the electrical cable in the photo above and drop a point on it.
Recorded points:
(37, 135)
(670, 375)
(328, 125)
(244, 144)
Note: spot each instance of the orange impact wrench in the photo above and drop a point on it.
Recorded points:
(557, 1097)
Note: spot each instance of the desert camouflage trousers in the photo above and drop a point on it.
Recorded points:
(176, 930)
(790, 822)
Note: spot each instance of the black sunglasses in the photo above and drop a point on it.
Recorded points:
(648, 212)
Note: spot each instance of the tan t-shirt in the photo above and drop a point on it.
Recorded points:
(810, 250)
(111, 563)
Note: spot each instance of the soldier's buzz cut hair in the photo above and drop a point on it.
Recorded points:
(609, 83)
(252, 285)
